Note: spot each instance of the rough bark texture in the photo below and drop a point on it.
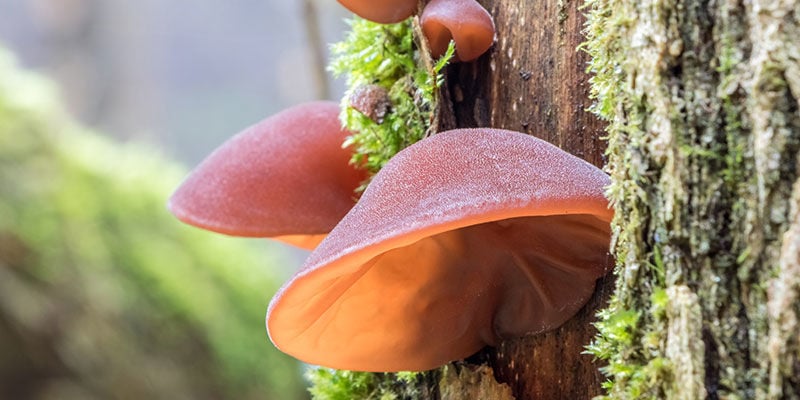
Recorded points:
(471, 382)
(534, 81)
(702, 100)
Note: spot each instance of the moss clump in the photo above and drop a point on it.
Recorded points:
(328, 384)
(388, 56)
(629, 338)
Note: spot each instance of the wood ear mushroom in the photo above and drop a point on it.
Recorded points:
(286, 177)
(461, 240)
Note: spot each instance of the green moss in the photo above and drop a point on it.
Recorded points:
(103, 294)
(328, 384)
(625, 336)
(387, 56)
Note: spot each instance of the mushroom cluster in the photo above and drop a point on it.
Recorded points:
(465, 22)
(461, 240)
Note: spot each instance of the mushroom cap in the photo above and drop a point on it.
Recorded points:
(462, 239)
(381, 11)
(464, 21)
(286, 177)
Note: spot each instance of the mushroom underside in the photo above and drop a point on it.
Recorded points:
(466, 22)
(471, 41)
(444, 297)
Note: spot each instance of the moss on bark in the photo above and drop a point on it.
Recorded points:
(704, 131)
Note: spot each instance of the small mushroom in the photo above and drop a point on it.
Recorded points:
(381, 11)
(464, 21)
(372, 101)
(286, 177)
(461, 240)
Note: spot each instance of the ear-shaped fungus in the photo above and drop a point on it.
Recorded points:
(381, 11)
(464, 21)
(286, 177)
(461, 240)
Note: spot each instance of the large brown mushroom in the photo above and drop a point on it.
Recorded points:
(461, 240)
(286, 177)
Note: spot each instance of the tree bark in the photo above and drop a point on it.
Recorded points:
(703, 139)
(534, 81)
(704, 134)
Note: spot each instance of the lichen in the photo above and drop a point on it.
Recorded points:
(783, 310)
(684, 345)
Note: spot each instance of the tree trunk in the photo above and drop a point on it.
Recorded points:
(704, 132)
(534, 81)
(702, 100)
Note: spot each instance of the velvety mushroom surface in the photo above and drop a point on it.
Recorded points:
(462, 239)
(381, 11)
(286, 177)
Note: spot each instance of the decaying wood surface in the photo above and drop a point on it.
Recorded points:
(533, 80)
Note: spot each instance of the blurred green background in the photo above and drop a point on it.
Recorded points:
(103, 294)
(180, 75)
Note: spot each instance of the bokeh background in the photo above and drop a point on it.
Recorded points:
(104, 105)
(180, 74)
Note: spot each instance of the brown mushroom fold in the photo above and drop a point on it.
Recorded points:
(381, 11)
(464, 21)
(461, 240)
(286, 177)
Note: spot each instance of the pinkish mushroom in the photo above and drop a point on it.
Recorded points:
(286, 177)
(461, 240)
(381, 11)
(464, 21)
